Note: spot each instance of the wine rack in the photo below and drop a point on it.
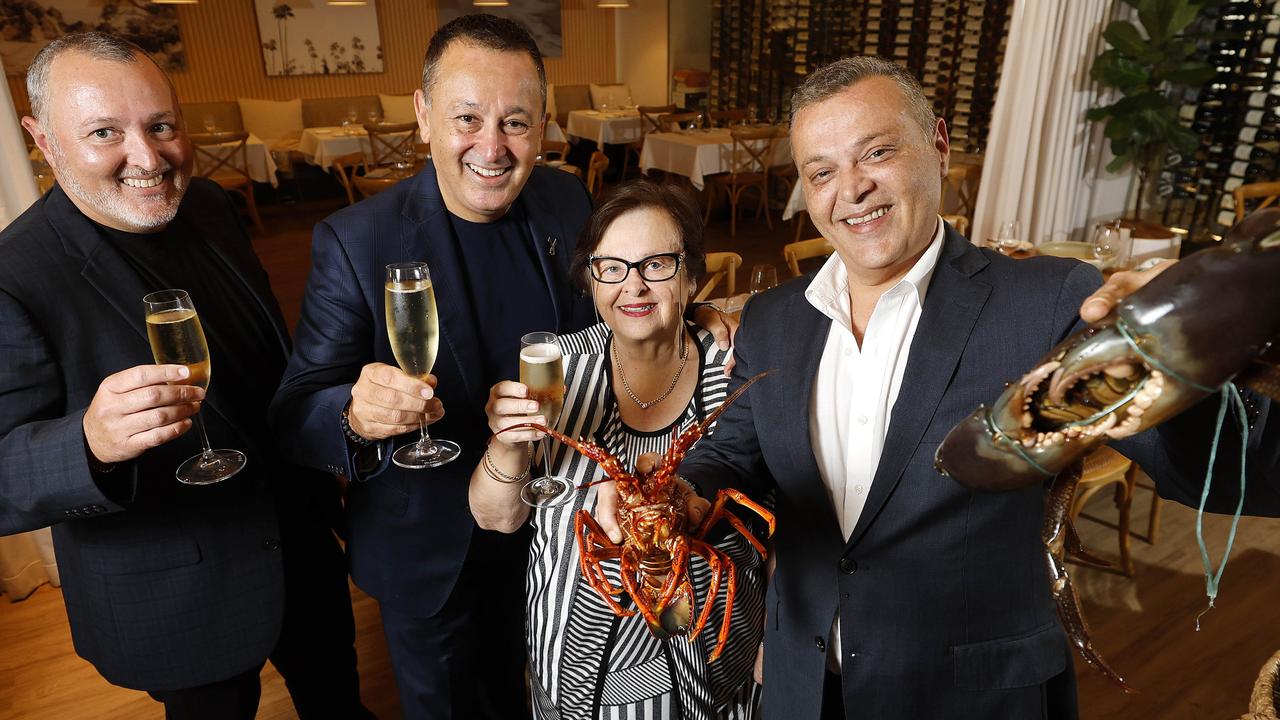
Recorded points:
(762, 49)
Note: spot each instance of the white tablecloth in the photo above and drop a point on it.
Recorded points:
(698, 154)
(554, 132)
(262, 167)
(795, 203)
(321, 145)
(605, 127)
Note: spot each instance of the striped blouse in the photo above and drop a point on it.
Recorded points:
(587, 663)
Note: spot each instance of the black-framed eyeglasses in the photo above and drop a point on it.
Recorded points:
(654, 268)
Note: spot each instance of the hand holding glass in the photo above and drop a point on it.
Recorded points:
(177, 338)
(413, 326)
(542, 371)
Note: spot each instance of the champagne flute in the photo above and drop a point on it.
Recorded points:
(542, 371)
(177, 338)
(413, 327)
(1009, 236)
(763, 277)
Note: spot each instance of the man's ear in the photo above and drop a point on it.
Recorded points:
(40, 137)
(420, 107)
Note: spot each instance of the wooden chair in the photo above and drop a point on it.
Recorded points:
(1268, 191)
(345, 168)
(557, 148)
(720, 266)
(370, 186)
(595, 173)
(959, 222)
(387, 146)
(1104, 467)
(963, 181)
(649, 122)
(224, 159)
(748, 168)
(675, 122)
(794, 252)
(727, 117)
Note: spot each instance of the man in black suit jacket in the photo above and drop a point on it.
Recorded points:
(910, 595)
(182, 591)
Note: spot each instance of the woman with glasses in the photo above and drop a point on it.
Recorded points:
(632, 381)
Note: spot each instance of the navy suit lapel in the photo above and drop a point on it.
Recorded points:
(551, 248)
(427, 235)
(952, 305)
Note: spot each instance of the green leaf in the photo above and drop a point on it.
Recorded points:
(1183, 13)
(1120, 72)
(1125, 37)
(1118, 162)
(1191, 74)
(1099, 113)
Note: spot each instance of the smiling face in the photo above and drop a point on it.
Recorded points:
(872, 177)
(484, 123)
(115, 140)
(636, 309)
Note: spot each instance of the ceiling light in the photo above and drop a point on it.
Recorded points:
(348, 3)
(175, 2)
(613, 4)
(490, 3)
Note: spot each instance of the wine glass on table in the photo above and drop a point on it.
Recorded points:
(1009, 236)
(177, 339)
(413, 327)
(1106, 245)
(763, 277)
(542, 371)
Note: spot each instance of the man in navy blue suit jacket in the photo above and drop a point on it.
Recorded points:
(898, 594)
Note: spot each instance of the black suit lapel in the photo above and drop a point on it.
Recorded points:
(952, 305)
(551, 248)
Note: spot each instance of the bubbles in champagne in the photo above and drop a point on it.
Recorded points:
(542, 370)
(177, 338)
(413, 327)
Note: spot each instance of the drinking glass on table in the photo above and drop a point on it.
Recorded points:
(763, 277)
(177, 339)
(413, 326)
(1107, 241)
(1009, 236)
(210, 125)
(373, 117)
(542, 371)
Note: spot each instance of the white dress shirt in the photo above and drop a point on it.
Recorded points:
(855, 388)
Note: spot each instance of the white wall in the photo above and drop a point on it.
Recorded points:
(640, 32)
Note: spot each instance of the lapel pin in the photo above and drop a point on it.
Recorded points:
(551, 245)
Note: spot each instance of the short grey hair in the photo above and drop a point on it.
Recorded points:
(832, 79)
(98, 45)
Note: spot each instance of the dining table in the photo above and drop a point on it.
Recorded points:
(322, 145)
(605, 127)
(696, 154)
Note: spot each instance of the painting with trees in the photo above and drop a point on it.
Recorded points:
(311, 37)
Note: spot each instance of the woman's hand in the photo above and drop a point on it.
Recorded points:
(509, 405)
(607, 501)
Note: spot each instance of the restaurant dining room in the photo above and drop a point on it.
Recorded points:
(1002, 547)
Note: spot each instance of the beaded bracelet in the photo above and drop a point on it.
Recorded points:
(491, 468)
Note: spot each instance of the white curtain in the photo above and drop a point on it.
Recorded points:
(1044, 163)
(17, 184)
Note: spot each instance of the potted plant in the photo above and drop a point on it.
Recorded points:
(1143, 62)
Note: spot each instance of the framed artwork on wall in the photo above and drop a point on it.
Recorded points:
(26, 26)
(311, 37)
(541, 17)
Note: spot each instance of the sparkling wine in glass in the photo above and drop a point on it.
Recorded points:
(177, 339)
(542, 371)
(413, 326)
(763, 277)
(1009, 236)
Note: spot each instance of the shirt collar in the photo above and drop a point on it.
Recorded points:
(829, 290)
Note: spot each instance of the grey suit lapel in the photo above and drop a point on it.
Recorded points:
(952, 305)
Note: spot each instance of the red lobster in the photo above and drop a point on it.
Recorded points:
(654, 555)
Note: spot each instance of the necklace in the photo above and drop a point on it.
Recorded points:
(684, 356)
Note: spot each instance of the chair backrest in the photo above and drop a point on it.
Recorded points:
(569, 97)
(345, 168)
(752, 149)
(675, 122)
(387, 145)
(595, 172)
(651, 117)
(720, 266)
(963, 181)
(794, 252)
(222, 155)
(558, 148)
(726, 117)
(959, 222)
(1268, 191)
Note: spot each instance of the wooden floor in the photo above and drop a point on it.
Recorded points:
(1144, 626)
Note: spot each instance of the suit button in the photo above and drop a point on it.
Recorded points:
(270, 544)
(820, 643)
(848, 566)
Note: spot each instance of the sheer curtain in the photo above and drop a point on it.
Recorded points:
(1044, 163)
(26, 560)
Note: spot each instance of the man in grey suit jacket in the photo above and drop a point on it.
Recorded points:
(911, 596)
(182, 591)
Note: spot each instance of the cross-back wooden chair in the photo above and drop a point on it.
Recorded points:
(675, 122)
(595, 173)
(720, 266)
(224, 159)
(1104, 467)
(1268, 191)
(387, 146)
(345, 168)
(650, 116)
(748, 168)
(727, 117)
(794, 252)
